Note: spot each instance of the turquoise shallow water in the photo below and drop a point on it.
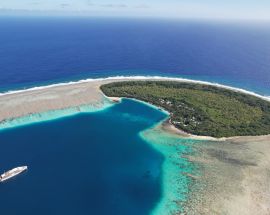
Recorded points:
(95, 163)
(55, 114)
(175, 169)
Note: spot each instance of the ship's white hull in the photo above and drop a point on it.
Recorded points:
(12, 173)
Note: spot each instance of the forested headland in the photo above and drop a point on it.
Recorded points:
(200, 109)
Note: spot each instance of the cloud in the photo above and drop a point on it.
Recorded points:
(64, 5)
(120, 6)
(90, 3)
(142, 6)
(114, 5)
(34, 3)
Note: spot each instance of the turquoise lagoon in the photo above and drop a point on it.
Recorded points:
(102, 159)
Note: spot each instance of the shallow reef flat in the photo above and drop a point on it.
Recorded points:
(234, 177)
(33, 101)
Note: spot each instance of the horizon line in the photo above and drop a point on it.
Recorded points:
(36, 13)
(98, 14)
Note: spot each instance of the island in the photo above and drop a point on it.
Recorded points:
(200, 109)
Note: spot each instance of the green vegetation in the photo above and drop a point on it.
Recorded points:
(200, 109)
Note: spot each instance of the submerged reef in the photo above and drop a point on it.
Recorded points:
(178, 173)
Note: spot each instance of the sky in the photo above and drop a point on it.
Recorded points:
(208, 9)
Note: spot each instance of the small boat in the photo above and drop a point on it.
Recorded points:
(12, 173)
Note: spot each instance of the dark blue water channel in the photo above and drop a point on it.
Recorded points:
(85, 164)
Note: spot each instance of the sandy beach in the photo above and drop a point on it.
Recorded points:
(235, 171)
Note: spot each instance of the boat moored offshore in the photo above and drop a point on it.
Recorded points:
(12, 173)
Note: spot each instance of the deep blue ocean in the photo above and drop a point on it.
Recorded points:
(85, 164)
(39, 50)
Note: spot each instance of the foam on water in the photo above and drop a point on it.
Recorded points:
(123, 78)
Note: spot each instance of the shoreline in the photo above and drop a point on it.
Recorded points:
(168, 127)
(131, 78)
